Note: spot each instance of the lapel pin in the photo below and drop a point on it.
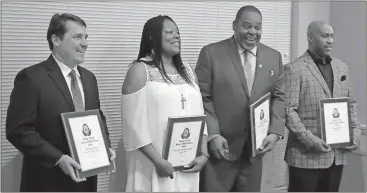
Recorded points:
(260, 65)
(271, 72)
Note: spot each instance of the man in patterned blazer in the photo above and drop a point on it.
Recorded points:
(313, 165)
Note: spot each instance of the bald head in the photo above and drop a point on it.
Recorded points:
(315, 27)
(320, 37)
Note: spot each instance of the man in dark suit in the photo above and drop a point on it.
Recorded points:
(232, 74)
(41, 93)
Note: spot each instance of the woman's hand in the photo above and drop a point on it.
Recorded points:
(164, 169)
(196, 165)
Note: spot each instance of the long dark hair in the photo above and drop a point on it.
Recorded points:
(151, 45)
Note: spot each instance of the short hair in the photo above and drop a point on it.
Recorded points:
(57, 26)
(249, 8)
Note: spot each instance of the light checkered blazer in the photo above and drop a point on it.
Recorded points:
(304, 86)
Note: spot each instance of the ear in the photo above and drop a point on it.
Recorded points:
(55, 40)
(234, 25)
(309, 37)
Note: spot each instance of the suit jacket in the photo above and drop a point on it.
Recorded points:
(226, 100)
(305, 85)
(34, 125)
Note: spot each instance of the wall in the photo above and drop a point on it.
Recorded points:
(348, 20)
(349, 24)
(302, 14)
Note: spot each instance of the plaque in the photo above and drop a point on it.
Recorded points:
(87, 142)
(183, 142)
(260, 121)
(335, 122)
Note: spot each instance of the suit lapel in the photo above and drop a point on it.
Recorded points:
(336, 75)
(56, 75)
(86, 85)
(236, 60)
(316, 72)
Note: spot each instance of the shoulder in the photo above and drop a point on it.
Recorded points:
(268, 50)
(136, 78)
(339, 62)
(87, 74)
(296, 66)
(33, 72)
(216, 45)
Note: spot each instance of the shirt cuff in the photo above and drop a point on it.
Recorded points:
(58, 161)
(212, 136)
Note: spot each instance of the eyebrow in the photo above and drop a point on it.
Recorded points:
(326, 33)
(247, 22)
(81, 34)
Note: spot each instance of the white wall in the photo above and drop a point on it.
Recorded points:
(302, 14)
(349, 21)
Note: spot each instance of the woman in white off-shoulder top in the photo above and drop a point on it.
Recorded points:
(158, 85)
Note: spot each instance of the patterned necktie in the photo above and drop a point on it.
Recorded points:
(248, 70)
(75, 90)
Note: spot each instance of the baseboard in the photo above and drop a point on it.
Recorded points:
(277, 189)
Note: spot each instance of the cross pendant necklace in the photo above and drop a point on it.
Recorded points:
(183, 100)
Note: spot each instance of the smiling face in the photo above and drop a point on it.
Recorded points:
(247, 29)
(70, 49)
(321, 39)
(170, 38)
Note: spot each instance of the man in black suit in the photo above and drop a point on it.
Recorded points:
(41, 93)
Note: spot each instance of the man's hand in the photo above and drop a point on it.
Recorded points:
(68, 166)
(112, 158)
(216, 147)
(268, 143)
(322, 146)
(113, 154)
(350, 148)
(356, 139)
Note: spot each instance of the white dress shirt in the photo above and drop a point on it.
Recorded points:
(251, 57)
(65, 72)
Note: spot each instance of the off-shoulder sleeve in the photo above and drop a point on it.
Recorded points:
(135, 129)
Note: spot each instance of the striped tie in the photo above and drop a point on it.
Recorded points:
(248, 70)
(77, 95)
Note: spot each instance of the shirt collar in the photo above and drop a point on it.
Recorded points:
(65, 69)
(319, 60)
(240, 49)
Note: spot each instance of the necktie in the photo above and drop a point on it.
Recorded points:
(75, 90)
(248, 70)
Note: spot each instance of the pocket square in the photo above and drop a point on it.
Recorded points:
(343, 78)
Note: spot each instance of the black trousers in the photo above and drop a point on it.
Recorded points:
(315, 180)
